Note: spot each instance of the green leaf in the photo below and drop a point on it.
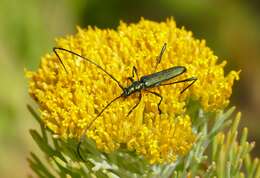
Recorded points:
(44, 146)
(39, 168)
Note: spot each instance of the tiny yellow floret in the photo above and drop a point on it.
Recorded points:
(70, 100)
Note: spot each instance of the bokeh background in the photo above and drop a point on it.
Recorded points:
(28, 29)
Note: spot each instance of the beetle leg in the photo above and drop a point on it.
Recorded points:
(159, 57)
(161, 98)
(193, 79)
(134, 72)
(131, 79)
(140, 97)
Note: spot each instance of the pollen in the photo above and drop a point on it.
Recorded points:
(70, 99)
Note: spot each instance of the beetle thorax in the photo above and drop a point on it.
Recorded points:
(134, 87)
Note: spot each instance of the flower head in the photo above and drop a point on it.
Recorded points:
(69, 101)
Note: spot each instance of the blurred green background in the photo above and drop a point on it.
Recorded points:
(28, 29)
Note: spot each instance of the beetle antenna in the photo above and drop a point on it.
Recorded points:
(91, 123)
(55, 49)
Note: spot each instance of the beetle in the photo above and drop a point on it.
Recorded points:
(146, 82)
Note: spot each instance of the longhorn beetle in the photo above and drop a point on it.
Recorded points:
(143, 84)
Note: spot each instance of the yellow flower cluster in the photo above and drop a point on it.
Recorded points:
(70, 100)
